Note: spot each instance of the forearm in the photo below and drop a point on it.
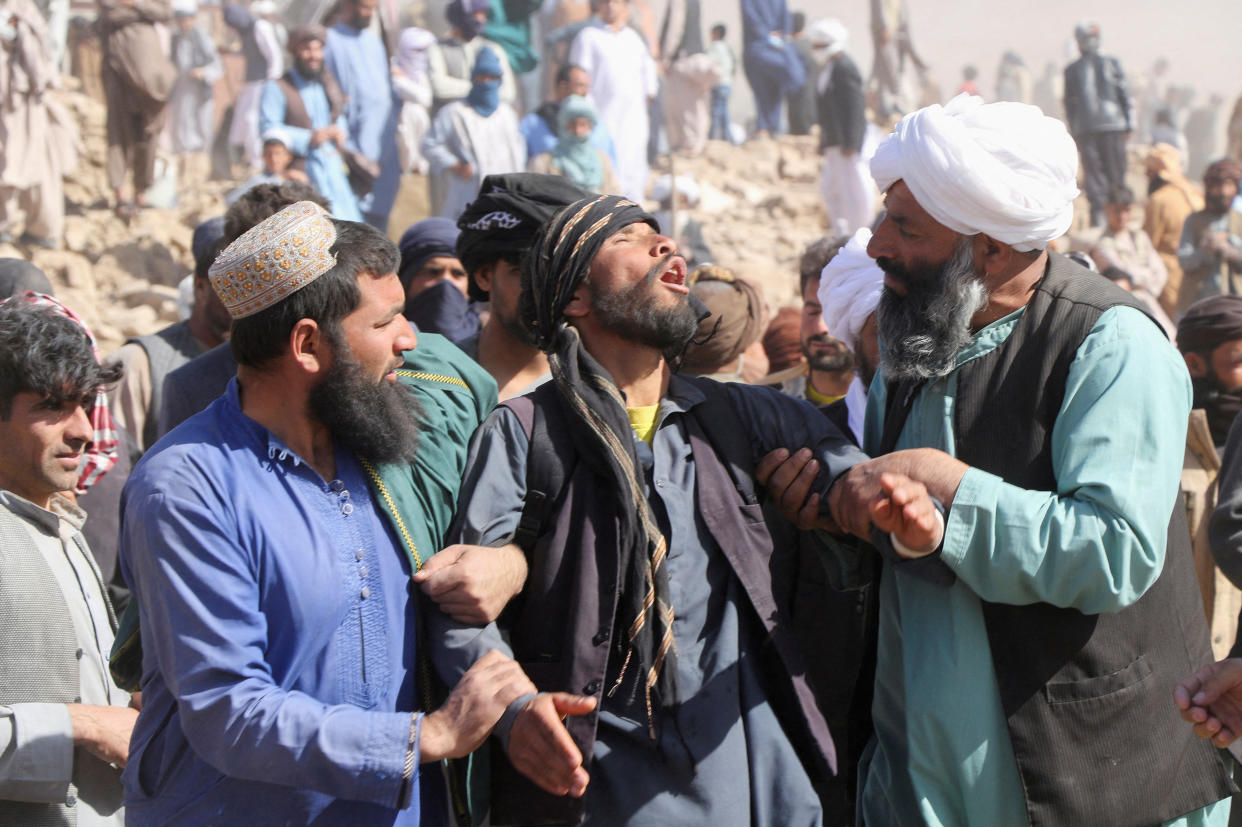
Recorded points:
(1017, 546)
(36, 752)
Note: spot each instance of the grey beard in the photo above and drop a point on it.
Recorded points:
(922, 332)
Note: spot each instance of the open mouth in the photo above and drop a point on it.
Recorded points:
(674, 276)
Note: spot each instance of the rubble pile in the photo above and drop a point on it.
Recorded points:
(122, 278)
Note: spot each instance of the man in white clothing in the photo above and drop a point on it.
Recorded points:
(623, 79)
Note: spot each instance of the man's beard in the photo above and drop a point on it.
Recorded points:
(922, 332)
(838, 359)
(1216, 204)
(512, 325)
(377, 422)
(634, 314)
(307, 72)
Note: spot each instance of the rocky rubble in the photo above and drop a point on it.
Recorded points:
(122, 278)
(759, 206)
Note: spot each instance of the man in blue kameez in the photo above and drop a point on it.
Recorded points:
(270, 539)
(355, 55)
(1024, 669)
(317, 130)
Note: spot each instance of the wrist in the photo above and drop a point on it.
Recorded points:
(435, 738)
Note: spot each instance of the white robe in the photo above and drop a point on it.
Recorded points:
(491, 145)
(623, 77)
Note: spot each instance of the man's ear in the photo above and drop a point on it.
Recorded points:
(1196, 365)
(991, 256)
(483, 277)
(310, 347)
(580, 304)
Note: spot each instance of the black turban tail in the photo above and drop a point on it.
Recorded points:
(600, 429)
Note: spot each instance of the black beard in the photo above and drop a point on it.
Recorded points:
(307, 72)
(633, 314)
(922, 332)
(840, 359)
(377, 422)
(513, 326)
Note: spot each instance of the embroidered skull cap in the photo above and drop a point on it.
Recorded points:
(274, 259)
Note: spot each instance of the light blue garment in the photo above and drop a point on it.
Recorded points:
(942, 754)
(746, 772)
(360, 64)
(324, 165)
(541, 137)
(278, 632)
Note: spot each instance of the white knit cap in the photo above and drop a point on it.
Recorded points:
(1003, 169)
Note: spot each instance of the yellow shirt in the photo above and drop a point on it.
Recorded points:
(643, 421)
(818, 399)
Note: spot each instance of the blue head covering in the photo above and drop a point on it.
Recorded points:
(484, 95)
(580, 162)
(425, 240)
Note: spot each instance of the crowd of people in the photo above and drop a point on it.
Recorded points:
(540, 514)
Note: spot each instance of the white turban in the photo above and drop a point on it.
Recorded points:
(849, 289)
(828, 32)
(1002, 169)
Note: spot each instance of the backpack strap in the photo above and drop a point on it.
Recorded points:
(549, 460)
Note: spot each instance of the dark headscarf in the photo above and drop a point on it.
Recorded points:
(423, 241)
(503, 220)
(18, 275)
(601, 433)
(1207, 325)
(460, 15)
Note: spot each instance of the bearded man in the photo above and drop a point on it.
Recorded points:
(652, 577)
(1023, 673)
(270, 539)
(307, 104)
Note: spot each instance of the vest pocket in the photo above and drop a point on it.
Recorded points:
(1098, 687)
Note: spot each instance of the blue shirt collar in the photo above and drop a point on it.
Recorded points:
(265, 440)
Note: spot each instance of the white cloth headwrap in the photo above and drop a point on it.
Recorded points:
(828, 32)
(1002, 169)
(849, 289)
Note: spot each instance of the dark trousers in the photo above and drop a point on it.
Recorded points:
(768, 95)
(1103, 168)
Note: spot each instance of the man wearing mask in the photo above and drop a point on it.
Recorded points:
(451, 59)
(471, 139)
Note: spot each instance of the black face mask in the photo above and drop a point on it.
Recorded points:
(1221, 406)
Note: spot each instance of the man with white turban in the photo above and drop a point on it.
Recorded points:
(847, 295)
(1024, 669)
(845, 184)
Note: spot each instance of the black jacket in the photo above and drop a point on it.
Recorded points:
(842, 118)
(1097, 98)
